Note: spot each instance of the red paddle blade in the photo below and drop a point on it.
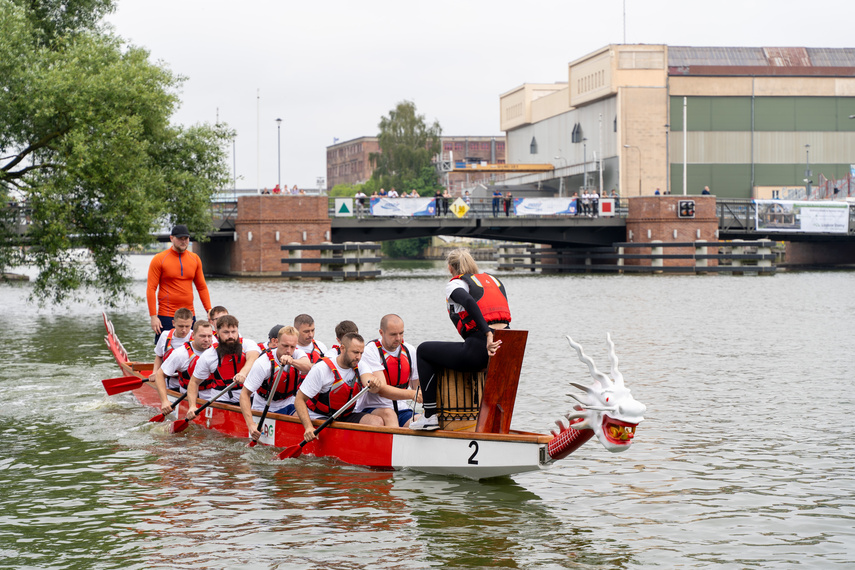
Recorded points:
(158, 418)
(252, 443)
(178, 425)
(291, 452)
(123, 384)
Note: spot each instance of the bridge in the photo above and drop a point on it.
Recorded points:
(736, 219)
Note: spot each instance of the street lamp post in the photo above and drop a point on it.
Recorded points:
(584, 163)
(561, 178)
(807, 171)
(279, 151)
(638, 150)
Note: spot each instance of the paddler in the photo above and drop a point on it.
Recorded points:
(342, 329)
(180, 365)
(332, 383)
(263, 374)
(478, 305)
(305, 326)
(392, 361)
(182, 326)
(231, 359)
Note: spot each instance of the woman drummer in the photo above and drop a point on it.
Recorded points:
(477, 305)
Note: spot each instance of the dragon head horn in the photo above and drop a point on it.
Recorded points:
(614, 372)
(604, 380)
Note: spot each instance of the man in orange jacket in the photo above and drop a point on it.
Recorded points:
(171, 276)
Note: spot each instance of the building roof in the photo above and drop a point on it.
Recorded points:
(684, 60)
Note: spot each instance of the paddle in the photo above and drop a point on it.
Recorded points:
(160, 417)
(181, 425)
(296, 450)
(125, 383)
(282, 369)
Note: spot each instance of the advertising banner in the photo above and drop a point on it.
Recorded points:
(544, 206)
(809, 217)
(403, 206)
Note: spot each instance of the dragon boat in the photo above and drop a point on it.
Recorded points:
(475, 440)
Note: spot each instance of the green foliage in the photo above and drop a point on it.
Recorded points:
(412, 248)
(86, 146)
(344, 190)
(407, 147)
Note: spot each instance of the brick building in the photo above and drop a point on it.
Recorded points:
(348, 162)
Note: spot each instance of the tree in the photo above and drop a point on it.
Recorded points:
(407, 147)
(87, 150)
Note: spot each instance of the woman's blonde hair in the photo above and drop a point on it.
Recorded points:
(461, 261)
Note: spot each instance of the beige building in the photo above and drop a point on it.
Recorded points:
(757, 120)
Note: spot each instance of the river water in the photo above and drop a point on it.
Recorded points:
(744, 459)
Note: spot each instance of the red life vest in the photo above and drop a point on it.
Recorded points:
(490, 295)
(168, 348)
(316, 353)
(314, 356)
(288, 383)
(227, 367)
(397, 369)
(184, 375)
(328, 403)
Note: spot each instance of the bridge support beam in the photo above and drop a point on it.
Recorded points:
(656, 219)
(819, 254)
(266, 222)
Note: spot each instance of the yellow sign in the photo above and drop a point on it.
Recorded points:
(459, 208)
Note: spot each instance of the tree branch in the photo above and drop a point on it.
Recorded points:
(43, 142)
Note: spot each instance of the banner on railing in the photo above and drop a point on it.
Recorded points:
(403, 206)
(815, 217)
(560, 207)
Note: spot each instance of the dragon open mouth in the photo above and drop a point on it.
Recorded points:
(618, 432)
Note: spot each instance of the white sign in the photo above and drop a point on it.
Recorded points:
(343, 207)
(810, 216)
(402, 206)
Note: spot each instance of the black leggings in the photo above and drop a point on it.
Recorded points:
(467, 356)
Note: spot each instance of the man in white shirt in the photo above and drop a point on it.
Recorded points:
(305, 326)
(332, 383)
(262, 376)
(393, 361)
(182, 325)
(181, 363)
(229, 360)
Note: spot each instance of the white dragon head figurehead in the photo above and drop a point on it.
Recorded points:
(606, 407)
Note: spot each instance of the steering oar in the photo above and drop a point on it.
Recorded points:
(296, 450)
(181, 425)
(282, 370)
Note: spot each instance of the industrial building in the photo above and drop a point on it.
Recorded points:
(758, 121)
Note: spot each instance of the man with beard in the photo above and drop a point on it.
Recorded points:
(332, 383)
(263, 374)
(179, 366)
(229, 360)
(171, 276)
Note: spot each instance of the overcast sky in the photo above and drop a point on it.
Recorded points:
(330, 69)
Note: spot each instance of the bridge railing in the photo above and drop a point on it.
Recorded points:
(735, 214)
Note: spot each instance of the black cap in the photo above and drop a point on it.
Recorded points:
(274, 332)
(180, 231)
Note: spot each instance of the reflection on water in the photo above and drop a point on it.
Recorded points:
(744, 458)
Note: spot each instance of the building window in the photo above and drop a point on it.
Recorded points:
(447, 146)
(485, 146)
(576, 135)
(500, 146)
(533, 147)
(458, 146)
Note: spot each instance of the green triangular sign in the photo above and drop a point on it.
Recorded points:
(344, 209)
